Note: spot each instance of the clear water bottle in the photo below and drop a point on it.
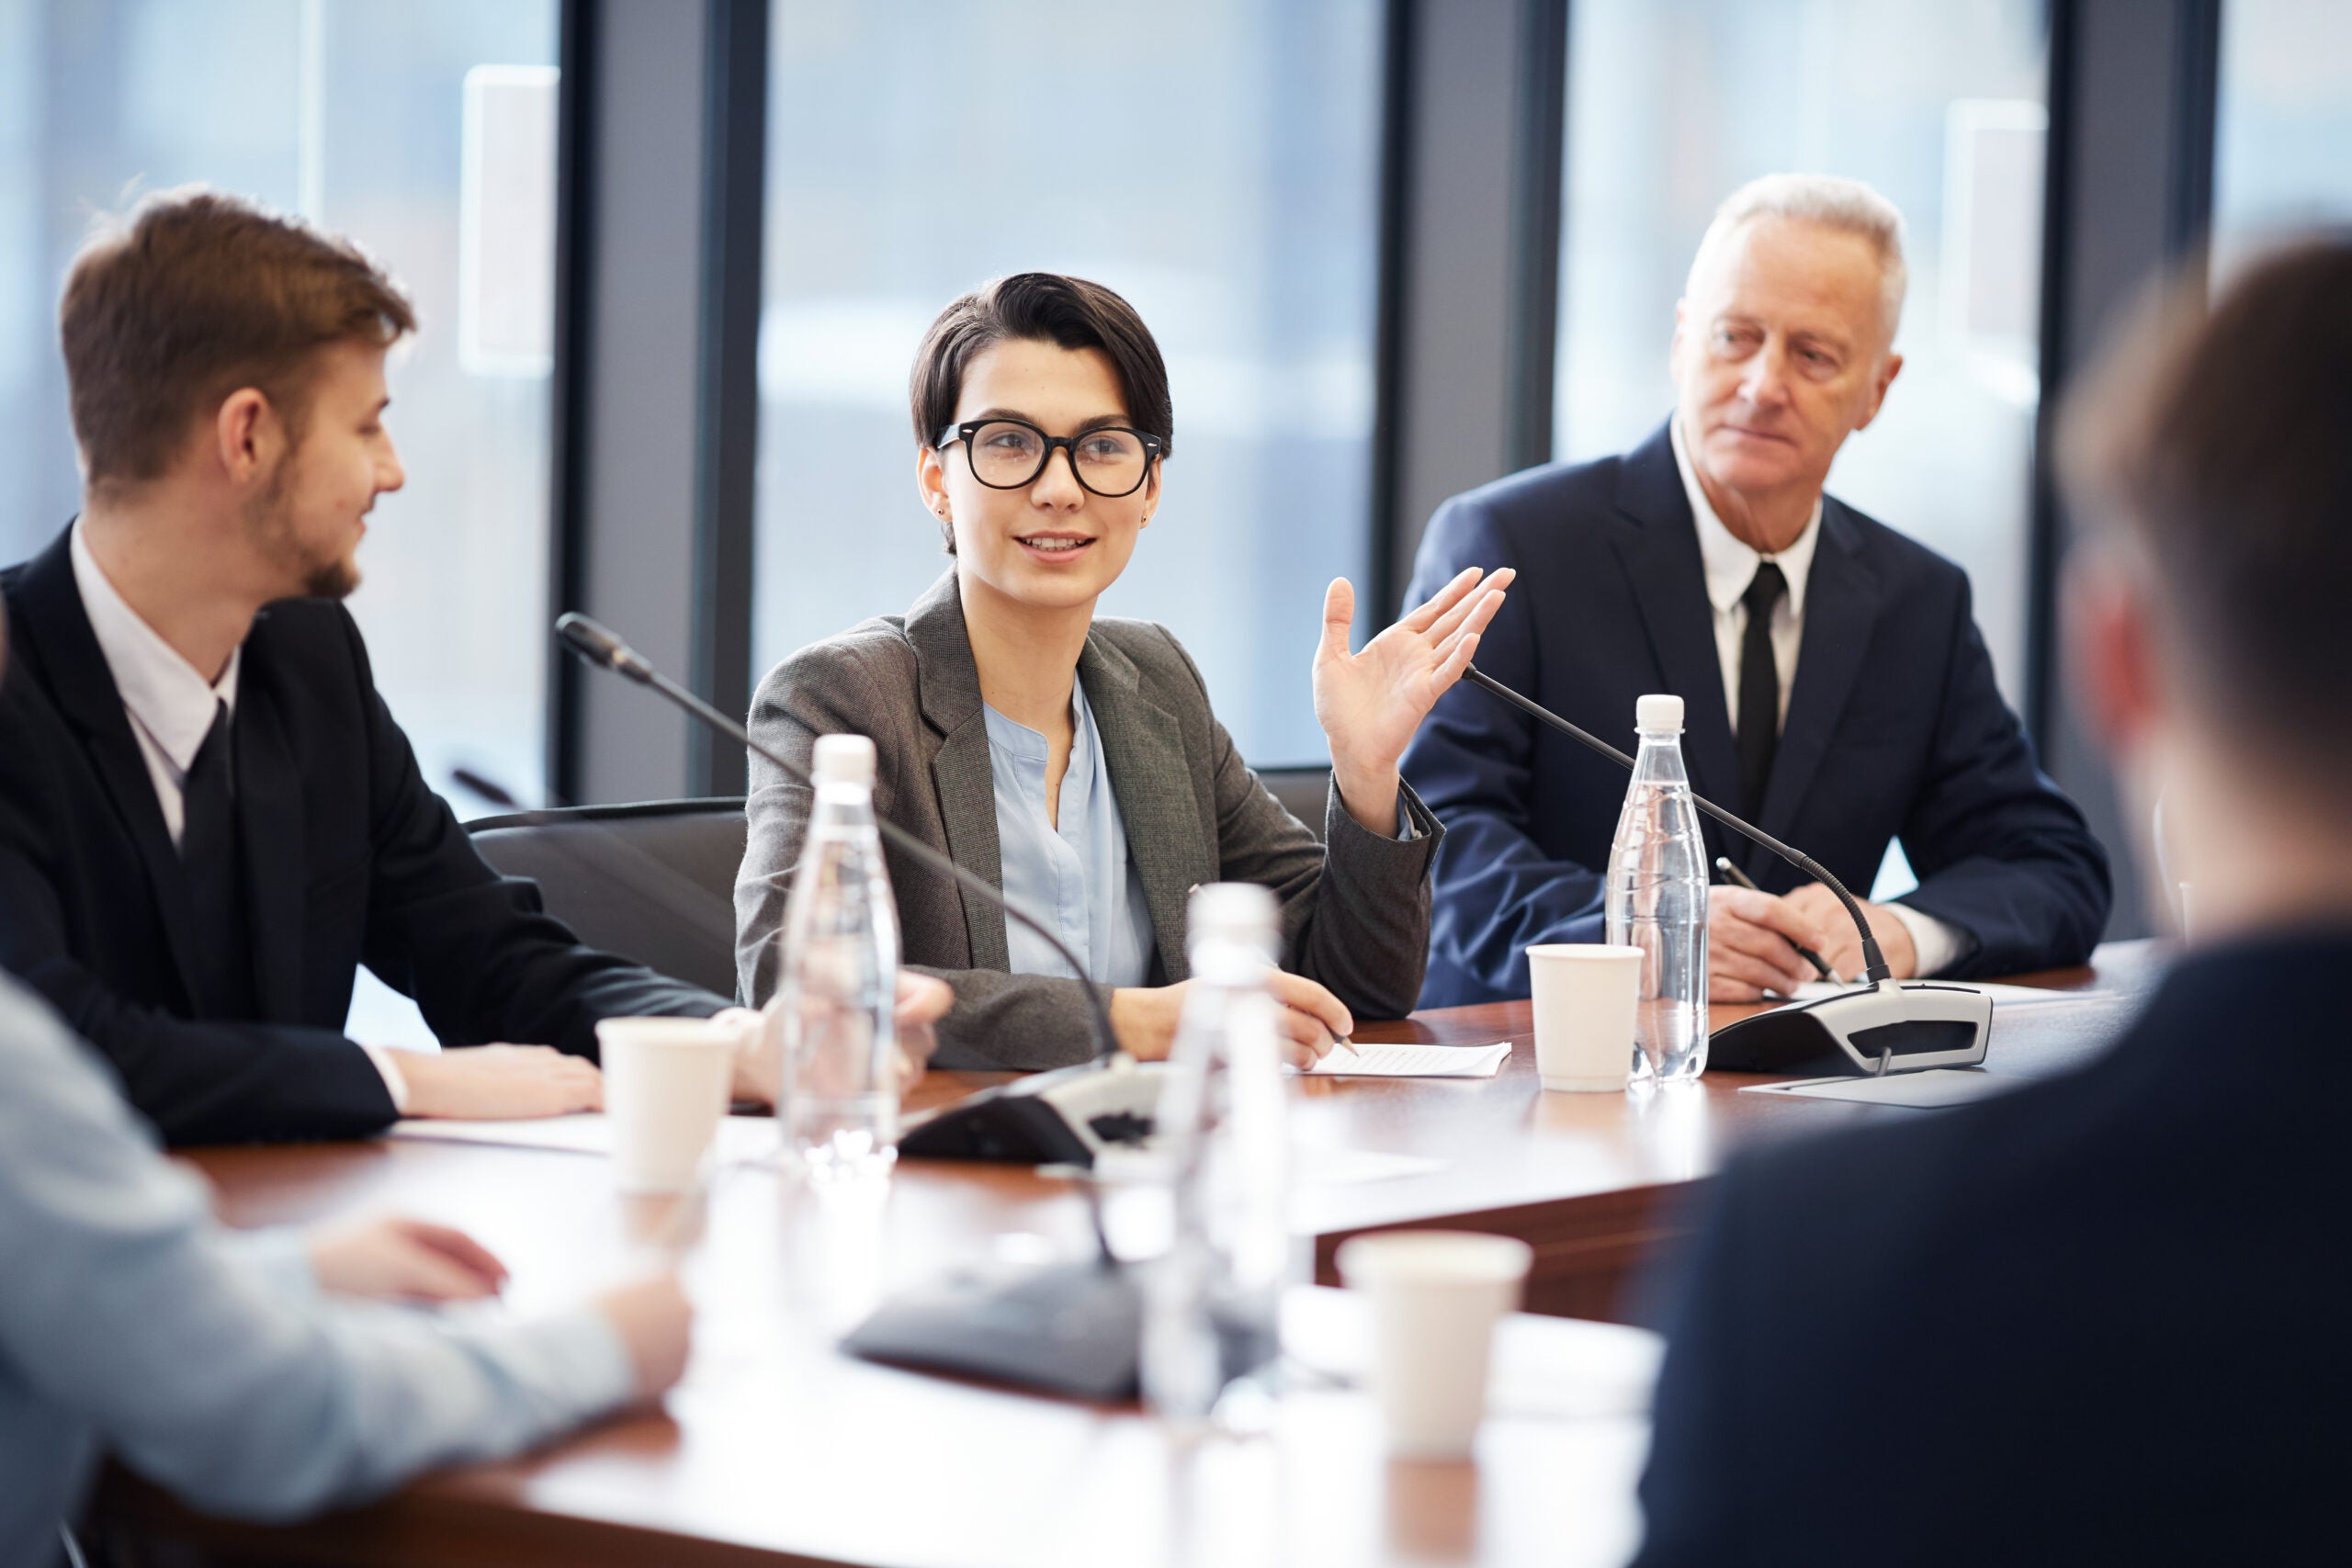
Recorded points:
(1657, 900)
(836, 1001)
(1212, 1304)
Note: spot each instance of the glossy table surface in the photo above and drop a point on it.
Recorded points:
(779, 1448)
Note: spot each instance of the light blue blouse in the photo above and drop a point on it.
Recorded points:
(1076, 876)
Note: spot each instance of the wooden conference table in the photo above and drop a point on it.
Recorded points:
(778, 1449)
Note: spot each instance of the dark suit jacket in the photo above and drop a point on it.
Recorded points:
(1354, 916)
(2100, 1319)
(1895, 729)
(349, 859)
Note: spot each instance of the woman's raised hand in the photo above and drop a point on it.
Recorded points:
(1371, 702)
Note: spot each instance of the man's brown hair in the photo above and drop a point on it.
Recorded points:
(194, 296)
(1039, 307)
(2221, 443)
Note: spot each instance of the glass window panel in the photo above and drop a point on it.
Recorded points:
(2283, 150)
(355, 113)
(1216, 163)
(1673, 103)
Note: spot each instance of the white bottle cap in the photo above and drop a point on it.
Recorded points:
(845, 758)
(1233, 911)
(1660, 713)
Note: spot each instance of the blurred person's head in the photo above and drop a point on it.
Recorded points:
(2210, 608)
(1037, 356)
(226, 367)
(1784, 343)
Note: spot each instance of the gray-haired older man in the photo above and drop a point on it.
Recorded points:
(1836, 688)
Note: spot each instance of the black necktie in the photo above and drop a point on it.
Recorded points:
(216, 878)
(1759, 687)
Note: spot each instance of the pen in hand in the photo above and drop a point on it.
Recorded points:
(1723, 864)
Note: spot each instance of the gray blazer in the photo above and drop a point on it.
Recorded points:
(1355, 917)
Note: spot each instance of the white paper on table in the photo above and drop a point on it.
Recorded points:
(2003, 996)
(742, 1139)
(1413, 1061)
(1930, 1089)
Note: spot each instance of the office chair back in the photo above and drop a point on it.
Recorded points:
(654, 883)
(1302, 791)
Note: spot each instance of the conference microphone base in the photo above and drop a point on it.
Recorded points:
(1068, 1116)
(1074, 1329)
(1892, 1027)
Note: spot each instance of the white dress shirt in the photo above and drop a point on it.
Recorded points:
(1731, 565)
(171, 707)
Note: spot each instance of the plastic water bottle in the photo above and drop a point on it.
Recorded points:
(1212, 1304)
(1657, 900)
(839, 1099)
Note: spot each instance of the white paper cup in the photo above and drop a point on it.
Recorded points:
(1584, 1014)
(1435, 1297)
(666, 1081)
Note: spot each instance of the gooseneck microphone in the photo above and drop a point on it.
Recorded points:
(1880, 1028)
(1068, 1328)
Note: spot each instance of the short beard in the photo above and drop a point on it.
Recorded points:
(270, 524)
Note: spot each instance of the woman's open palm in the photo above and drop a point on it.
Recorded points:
(1371, 702)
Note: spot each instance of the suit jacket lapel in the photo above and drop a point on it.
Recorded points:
(269, 829)
(49, 602)
(1841, 604)
(1143, 746)
(947, 684)
(1660, 554)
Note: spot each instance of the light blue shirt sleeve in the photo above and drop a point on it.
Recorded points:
(209, 1361)
(1073, 872)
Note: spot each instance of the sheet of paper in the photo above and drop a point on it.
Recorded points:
(1930, 1090)
(1414, 1062)
(2003, 996)
(742, 1139)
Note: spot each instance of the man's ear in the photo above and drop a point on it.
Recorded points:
(248, 439)
(2114, 649)
(1886, 375)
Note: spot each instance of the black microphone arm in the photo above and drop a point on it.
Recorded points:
(1874, 961)
(602, 647)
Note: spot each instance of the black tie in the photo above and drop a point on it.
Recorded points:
(1759, 687)
(216, 877)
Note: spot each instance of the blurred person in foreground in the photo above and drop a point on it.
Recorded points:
(2100, 1318)
(1839, 695)
(208, 818)
(220, 1364)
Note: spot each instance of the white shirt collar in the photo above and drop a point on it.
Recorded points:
(165, 694)
(1731, 564)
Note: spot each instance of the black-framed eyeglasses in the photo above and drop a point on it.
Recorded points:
(1009, 454)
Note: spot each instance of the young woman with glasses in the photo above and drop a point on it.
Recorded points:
(1075, 760)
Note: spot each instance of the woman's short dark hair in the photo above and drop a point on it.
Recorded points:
(1039, 307)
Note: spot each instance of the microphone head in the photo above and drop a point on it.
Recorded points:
(598, 645)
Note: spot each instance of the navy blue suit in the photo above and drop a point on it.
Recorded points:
(2099, 1319)
(1895, 729)
(348, 859)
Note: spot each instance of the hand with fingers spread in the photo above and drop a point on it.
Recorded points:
(1310, 1021)
(398, 1259)
(1369, 704)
